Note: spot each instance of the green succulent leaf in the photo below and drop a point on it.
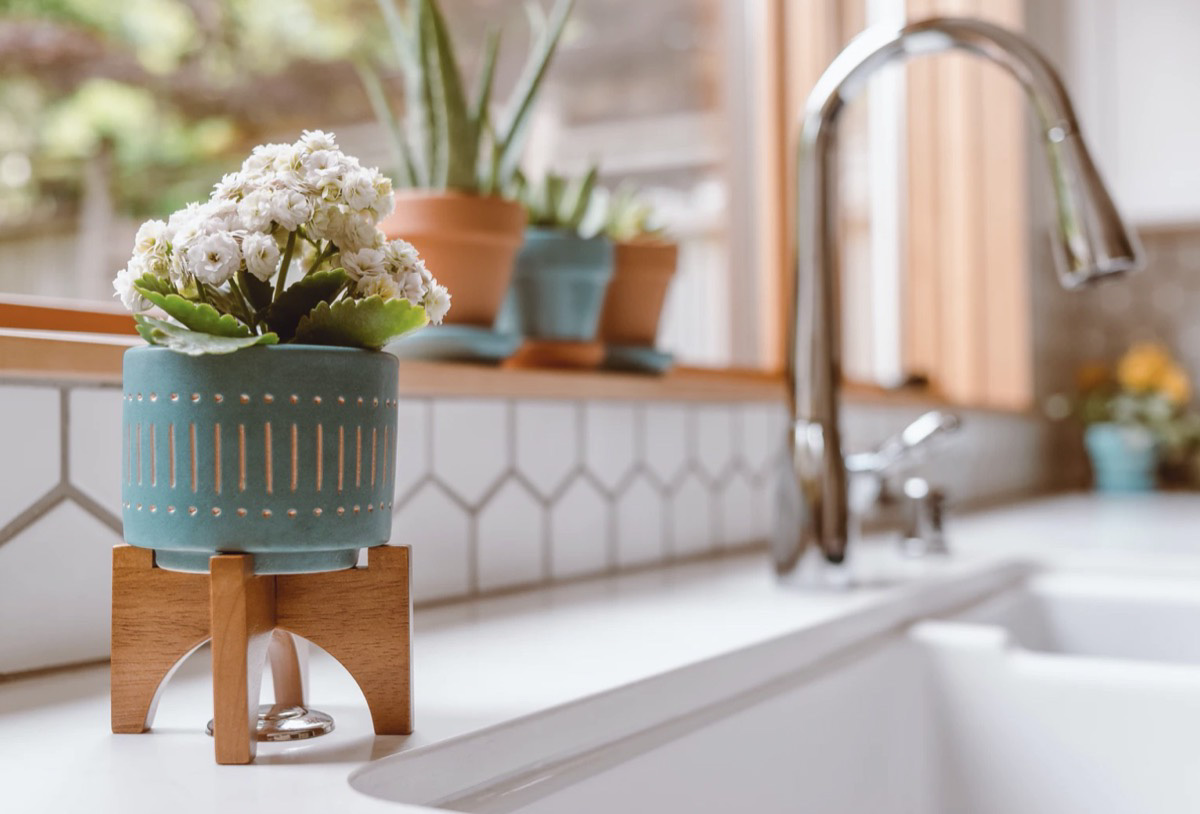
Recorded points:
(149, 282)
(629, 217)
(484, 153)
(414, 144)
(512, 136)
(448, 140)
(577, 202)
(194, 343)
(558, 202)
(487, 78)
(257, 291)
(368, 323)
(226, 302)
(376, 95)
(197, 316)
(461, 140)
(302, 297)
(428, 124)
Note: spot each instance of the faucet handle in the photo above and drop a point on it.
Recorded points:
(905, 446)
(924, 510)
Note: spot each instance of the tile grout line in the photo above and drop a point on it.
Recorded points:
(93, 508)
(38, 509)
(57, 493)
(64, 436)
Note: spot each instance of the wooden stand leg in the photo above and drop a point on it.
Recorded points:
(363, 618)
(242, 621)
(158, 618)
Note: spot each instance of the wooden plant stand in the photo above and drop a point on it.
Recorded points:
(361, 617)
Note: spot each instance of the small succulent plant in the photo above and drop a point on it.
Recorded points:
(629, 217)
(558, 202)
(445, 140)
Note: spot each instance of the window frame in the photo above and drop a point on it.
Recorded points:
(784, 47)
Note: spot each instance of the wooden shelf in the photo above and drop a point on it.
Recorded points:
(97, 357)
(683, 384)
(55, 355)
(61, 355)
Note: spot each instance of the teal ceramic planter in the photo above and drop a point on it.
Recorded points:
(1124, 457)
(284, 452)
(559, 285)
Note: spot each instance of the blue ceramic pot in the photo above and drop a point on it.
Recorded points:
(559, 285)
(1124, 457)
(285, 452)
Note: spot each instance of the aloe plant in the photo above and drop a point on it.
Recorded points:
(629, 217)
(557, 202)
(447, 140)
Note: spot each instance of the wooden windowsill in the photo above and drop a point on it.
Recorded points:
(35, 354)
(54, 314)
(96, 358)
(59, 355)
(861, 393)
(680, 384)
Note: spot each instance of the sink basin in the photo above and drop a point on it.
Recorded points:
(1121, 617)
(1062, 694)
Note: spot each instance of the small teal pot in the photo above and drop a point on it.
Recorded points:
(286, 452)
(559, 285)
(1124, 457)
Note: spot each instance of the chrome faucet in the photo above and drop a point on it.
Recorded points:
(1090, 239)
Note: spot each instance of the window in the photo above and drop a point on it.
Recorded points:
(113, 113)
(118, 133)
(933, 229)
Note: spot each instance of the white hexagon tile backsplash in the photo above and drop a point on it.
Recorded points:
(492, 494)
(545, 490)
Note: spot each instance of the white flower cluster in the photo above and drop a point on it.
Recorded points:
(310, 188)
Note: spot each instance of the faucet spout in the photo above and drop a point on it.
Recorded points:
(1091, 242)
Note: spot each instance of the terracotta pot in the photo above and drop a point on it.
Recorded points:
(633, 306)
(469, 242)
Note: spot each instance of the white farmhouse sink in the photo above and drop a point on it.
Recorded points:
(1061, 694)
(1123, 617)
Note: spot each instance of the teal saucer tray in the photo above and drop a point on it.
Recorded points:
(457, 343)
(286, 452)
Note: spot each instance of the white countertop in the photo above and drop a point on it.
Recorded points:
(485, 665)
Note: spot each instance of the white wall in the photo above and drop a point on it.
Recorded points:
(1133, 67)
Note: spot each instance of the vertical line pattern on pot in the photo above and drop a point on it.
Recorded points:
(341, 455)
(241, 457)
(270, 474)
(320, 455)
(374, 437)
(139, 452)
(217, 457)
(125, 449)
(192, 442)
(358, 456)
(154, 455)
(171, 452)
(295, 454)
(385, 455)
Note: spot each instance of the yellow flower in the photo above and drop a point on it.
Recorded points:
(1143, 366)
(1175, 386)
